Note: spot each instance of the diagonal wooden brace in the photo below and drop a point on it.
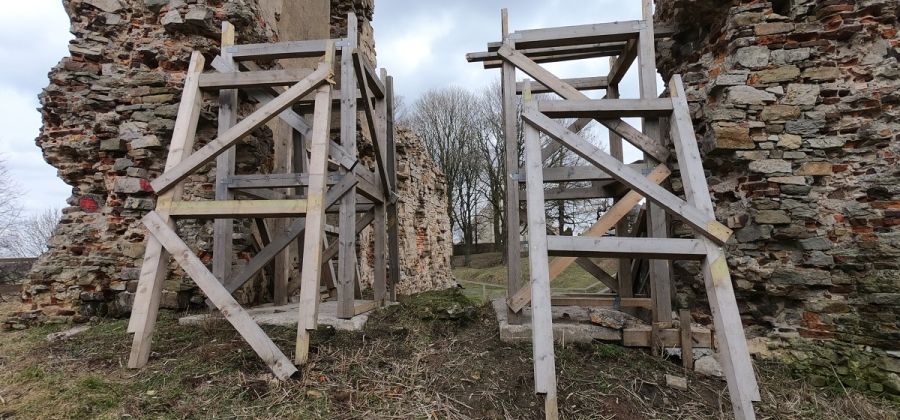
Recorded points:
(280, 365)
(702, 222)
(233, 135)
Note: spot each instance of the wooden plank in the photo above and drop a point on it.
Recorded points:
(735, 358)
(154, 266)
(361, 308)
(280, 365)
(660, 270)
(609, 219)
(253, 79)
(232, 136)
(372, 81)
(578, 173)
(602, 302)
(391, 166)
(279, 50)
(580, 34)
(613, 247)
(592, 50)
(310, 275)
(703, 223)
(687, 342)
(237, 209)
(541, 318)
(511, 190)
(586, 193)
(294, 180)
(580, 83)
(598, 272)
(379, 285)
(623, 273)
(606, 108)
(640, 336)
(347, 240)
(282, 162)
(223, 229)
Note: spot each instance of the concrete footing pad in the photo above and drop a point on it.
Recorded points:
(286, 316)
(571, 324)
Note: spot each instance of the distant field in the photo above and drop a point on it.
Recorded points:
(485, 278)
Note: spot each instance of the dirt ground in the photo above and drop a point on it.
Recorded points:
(435, 356)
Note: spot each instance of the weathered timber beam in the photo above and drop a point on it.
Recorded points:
(616, 247)
(623, 62)
(580, 83)
(640, 336)
(237, 209)
(280, 50)
(586, 193)
(252, 79)
(598, 272)
(607, 108)
(578, 173)
(602, 302)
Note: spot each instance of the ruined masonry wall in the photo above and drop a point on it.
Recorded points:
(796, 105)
(108, 115)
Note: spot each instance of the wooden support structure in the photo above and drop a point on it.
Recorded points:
(666, 127)
(311, 175)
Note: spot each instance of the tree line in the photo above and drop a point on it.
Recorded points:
(462, 130)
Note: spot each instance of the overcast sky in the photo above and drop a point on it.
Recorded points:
(421, 42)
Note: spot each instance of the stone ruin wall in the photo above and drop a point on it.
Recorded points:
(797, 107)
(108, 115)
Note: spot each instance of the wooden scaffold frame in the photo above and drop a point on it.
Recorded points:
(312, 175)
(666, 126)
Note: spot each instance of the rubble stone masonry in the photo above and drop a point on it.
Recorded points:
(797, 106)
(108, 115)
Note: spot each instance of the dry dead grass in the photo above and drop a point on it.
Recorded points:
(432, 357)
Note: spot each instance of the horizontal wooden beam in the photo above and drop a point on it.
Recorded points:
(578, 173)
(607, 108)
(233, 209)
(642, 336)
(620, 247)
(584, 193)
(601, 302)
(579, 34)
(580, 83)
(275, 180)
(253, 79)
(279, 50)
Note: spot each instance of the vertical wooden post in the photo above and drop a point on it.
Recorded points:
(315, 220)
(657, 226)
(393, 227)
(347, 213)
(145, 309)
(223, 229)
(623, 274)
(687, 340)
(379, 283)
(511, 181)
(541, 316)
(283, 138)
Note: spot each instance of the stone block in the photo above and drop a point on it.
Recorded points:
(112, 145)
(816, 244)
(822, 74)
(801, 94)
(146, 142)
(755, 57)
(778, 74)
(128, 185)
(772, 28)
(781, 57)
(768, 166)
(830, 142)
(732, 136)
(791, 180)
(748, 95)
(789, 141)
(108, 6)
(779, 112)
(815, 169)
(804, 127)
(772, 217)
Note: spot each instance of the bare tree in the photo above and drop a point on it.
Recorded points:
(33, 233)
(447, 123)
(10, 210)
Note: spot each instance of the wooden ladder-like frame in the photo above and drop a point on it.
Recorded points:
(623, 42)
(331, 176)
